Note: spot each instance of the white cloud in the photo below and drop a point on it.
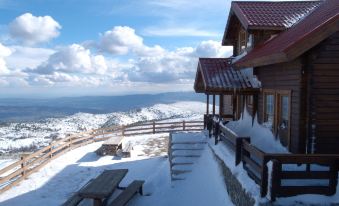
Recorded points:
(4, 52)
(27, 57)
(120, 40)
(174, 66)
(213, 49)
(32, 30)
(73, 59)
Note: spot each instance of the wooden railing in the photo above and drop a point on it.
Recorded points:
(19, 170)
(255, 163)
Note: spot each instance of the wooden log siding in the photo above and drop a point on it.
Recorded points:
(18, 171)
(324, 92)
(287, 76)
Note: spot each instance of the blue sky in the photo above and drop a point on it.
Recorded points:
(106, 47)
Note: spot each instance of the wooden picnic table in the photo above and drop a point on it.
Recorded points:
(103, 186)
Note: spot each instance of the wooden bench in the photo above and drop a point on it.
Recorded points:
(103, 186)
(111, 146)
(128, 193)
(75, 199)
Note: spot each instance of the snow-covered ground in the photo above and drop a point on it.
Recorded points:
(55, 182)
(29, 136)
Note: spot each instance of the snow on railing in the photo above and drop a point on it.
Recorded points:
(14, 173)
(299, 170)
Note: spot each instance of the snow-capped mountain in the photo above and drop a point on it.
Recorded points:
(28, 136)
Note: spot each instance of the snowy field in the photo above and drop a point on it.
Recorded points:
(55, 182)
(30, 136)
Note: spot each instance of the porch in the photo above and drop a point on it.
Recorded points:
(277, 174)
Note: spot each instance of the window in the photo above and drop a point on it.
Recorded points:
(269, 105)
(242, 41)
(277, 113)
(249, 100)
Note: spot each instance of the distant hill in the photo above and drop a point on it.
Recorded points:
(20, 110)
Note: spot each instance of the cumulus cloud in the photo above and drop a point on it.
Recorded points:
(32, 30)
(73, 59)
(4, 52)
(23, 57)
(122, 39)
(177, 65)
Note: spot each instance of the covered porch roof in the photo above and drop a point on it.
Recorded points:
(217, 76)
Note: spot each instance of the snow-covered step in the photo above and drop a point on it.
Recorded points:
(185, 152)
(193, 156)
(183, 160)
(177, 172)
(189, 142)
(182, 163)
(187, 146)
(192, 137)
(182, 167)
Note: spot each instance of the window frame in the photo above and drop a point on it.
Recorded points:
(242, 38)
(277, 94)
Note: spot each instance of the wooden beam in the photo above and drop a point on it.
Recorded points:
(213, 104)
(207, 104)
(221, 104)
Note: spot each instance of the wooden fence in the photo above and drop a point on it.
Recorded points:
(302, 169)
(19, 170)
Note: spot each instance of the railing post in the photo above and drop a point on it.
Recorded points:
(123, 130)
(183, 125)
(50, 150)
(23, 167)
(275, 180)
(216, 132)
(70, 143)
(333, 181)
(264, 177)
(153, 127)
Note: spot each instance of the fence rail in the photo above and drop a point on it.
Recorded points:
(302, 169)
(21, 169)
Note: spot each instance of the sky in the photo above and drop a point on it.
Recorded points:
(51, 48)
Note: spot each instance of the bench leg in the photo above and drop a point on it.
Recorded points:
(97, 202)
(140, 191)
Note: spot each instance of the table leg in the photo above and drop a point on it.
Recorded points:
(97, 202)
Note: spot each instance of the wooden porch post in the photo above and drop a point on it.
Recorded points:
(213, 104)
(221, 104)
(255, 107)
(208, 104)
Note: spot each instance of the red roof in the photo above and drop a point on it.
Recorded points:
(261, 15)
(293, 42)
(215, 75)
(273, 14)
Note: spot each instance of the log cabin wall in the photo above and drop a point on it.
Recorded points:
(324, 95)
(287, 76)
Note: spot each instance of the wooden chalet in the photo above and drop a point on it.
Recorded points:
(286, 66)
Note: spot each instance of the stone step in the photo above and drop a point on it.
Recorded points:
(187, 146)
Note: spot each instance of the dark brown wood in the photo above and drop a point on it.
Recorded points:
(207, 104)
(213, 104)
(128, 193)
(104, 185)
(275, 180)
